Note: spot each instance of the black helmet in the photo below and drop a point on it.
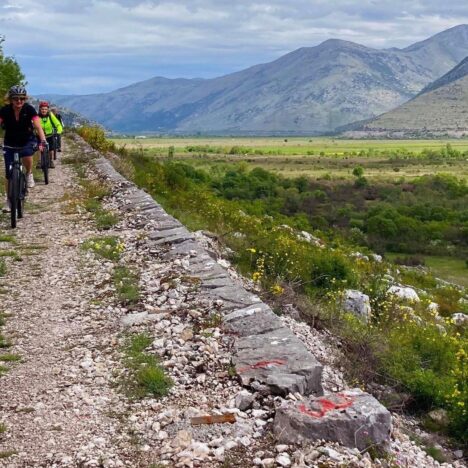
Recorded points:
(17, 90)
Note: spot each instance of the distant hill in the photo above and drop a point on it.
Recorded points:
(312, 90)
(440, 109)
(70, 118)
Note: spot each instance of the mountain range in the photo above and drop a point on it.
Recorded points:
(312, 90)
(440, 109)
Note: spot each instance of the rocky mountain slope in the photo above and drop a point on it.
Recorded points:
(311, 90)
(439, 109)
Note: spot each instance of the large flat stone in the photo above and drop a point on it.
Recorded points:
(234, 296)
(252, 320)
(169, 236)
(279, 360)
(353, 418)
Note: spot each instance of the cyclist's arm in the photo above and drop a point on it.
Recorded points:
(37, 125)
(57, 123)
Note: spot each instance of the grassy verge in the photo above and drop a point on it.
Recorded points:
(126, 285)
(108, 247)
(146, 376)
(90, 198)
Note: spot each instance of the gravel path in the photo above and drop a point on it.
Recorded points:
(55, 411)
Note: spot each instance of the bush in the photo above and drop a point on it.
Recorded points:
(331, 270)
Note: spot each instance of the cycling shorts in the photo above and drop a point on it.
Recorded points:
(8, 154)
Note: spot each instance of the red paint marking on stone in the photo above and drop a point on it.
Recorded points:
(326, 406)
(263, 365)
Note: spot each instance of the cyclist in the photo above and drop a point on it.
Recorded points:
(57, 114)
(50, 124)
(19, 120)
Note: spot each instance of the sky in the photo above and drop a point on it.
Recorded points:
(92, 46)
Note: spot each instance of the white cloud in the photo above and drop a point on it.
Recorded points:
(102, 38)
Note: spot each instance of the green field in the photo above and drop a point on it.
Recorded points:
(450, 269)
(314, 157)
(295, 145)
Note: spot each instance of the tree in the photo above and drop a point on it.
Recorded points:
(10, 72)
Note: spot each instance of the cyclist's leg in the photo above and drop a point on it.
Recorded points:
(52, 149)
(26, 155)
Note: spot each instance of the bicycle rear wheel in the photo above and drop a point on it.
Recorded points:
(22, 195)
(45, 164)
(13, 195)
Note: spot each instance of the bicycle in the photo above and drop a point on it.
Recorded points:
(45, 162)
(17, 188)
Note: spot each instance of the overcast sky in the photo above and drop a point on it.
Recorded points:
(87, 46)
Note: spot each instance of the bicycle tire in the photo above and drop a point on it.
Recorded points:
(22, 195)
(13, 195)
(45, 165)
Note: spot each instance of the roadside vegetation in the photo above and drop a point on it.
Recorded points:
(306, 241)
(146, 376)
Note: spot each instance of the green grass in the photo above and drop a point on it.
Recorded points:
(9, 357)
(3, 268)
(146, 377)
(4, 343)
(109, 247)
(3, 370)
(3, 428)
(8, 238)
(450, 269)
(126, 285)
(105, 219)
(7, 454)
(10, 253)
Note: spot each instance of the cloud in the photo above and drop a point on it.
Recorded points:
(99, 43)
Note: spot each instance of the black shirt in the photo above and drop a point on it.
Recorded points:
(18, 132)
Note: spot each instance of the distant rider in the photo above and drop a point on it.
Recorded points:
(57, 114)
(50, 124)
(19, 120)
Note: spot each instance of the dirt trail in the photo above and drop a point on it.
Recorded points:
(54, 405)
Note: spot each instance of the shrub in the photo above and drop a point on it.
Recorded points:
(332, 269)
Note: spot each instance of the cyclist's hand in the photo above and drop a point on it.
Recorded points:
(43, 145)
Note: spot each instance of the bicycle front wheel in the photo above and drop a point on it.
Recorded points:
(13, 195)
(45, 165)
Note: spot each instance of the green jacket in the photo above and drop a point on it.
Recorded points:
(49, 122)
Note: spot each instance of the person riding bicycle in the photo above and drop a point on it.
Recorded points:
(19, 120)
(57, 114)
(51, 125)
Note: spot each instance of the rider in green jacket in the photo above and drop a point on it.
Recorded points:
(51, 125)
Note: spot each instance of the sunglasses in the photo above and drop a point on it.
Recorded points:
(17, 98)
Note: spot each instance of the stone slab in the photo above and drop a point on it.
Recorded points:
(279, 360)
(234, 296)
(352, 418)
(252, 320)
